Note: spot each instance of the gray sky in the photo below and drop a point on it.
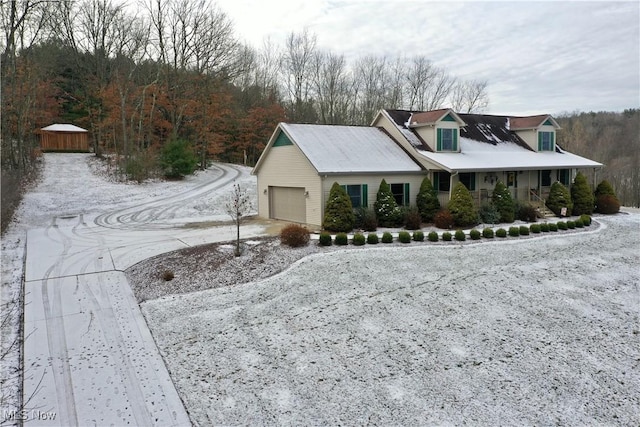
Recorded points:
(538, 57)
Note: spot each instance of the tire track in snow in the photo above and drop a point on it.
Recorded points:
(146, 215)
(57, 343)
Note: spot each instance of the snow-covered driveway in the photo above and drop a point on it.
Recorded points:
(89, 356)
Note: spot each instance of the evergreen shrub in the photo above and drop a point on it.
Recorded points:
(365, 219)
(524, 230)
(536, 228)
(177, 159)
(562, 225)
(559, 198)
(358, 239)
(581, 195)
(443, 219)
(462, 206)
(460, 236)
(372, 239)
(386, 208)
(433, 236)
(475, 234)
(341, 239)
(488, 233)
(404, 237)
(427, 201)
(607, 204)
(294, 235)
(553, 227)
(325, 239)
(578, 222)
(586, 220)
(387, 237)
(418, 236)
(501, 232)
(446, 236)
(489, 214)
(606, 200)
(514, 231)
(571, 225)
(502, 200)
(544, 227)
(338, 213)
(412, 218)
(526, 212)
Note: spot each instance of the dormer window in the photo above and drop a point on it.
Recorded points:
(447, 140)
(546, 141)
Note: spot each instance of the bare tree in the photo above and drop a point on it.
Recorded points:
(332, 86)
(296, 70)
(469, 96)
(238, 206)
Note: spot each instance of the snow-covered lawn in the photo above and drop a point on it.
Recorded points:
(529, 331)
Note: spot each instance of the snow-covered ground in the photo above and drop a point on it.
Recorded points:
(85, 335)
(533, 331)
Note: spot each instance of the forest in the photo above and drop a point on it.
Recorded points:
(167, 70)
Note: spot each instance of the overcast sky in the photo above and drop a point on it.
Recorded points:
(538, 57)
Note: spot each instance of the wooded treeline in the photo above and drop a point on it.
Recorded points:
(175, 69)
(610, 138)
(139, 77)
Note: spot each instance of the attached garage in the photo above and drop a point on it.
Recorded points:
(288, 204)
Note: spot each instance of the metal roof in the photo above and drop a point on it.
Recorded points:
(63, 128)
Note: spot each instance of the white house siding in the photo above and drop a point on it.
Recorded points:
(299, 173)
(373, 184)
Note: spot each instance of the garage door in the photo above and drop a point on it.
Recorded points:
(288, 203)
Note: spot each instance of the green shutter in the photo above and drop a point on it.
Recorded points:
(439, 145)
(539, 141)
(472, 182)
(407, 200)
(365, 196)
(436, 181)
(553, 140)
(455, 140)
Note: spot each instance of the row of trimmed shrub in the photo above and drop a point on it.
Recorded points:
(360, 239)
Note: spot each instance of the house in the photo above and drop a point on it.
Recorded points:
(301, 162)
(63, 137)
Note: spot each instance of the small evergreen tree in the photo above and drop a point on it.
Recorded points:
(503, 202)
(427, 201)
(559, 198)
(338, 212)
(387, 210)
(462, 207)
(177, 159)
(582, 196)
(605, 188)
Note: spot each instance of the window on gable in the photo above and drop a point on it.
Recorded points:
(358, 194)
(447, 140)
(442, 181)
(469, 180)
(546, 141)
(400, 193)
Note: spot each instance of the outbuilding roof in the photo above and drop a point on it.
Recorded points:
(335, 149)
(58, 127)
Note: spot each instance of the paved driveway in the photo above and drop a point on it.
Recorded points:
(89, 356)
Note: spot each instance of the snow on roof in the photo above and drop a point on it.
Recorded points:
(480, 156)
(344, 149)
(58, 127)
